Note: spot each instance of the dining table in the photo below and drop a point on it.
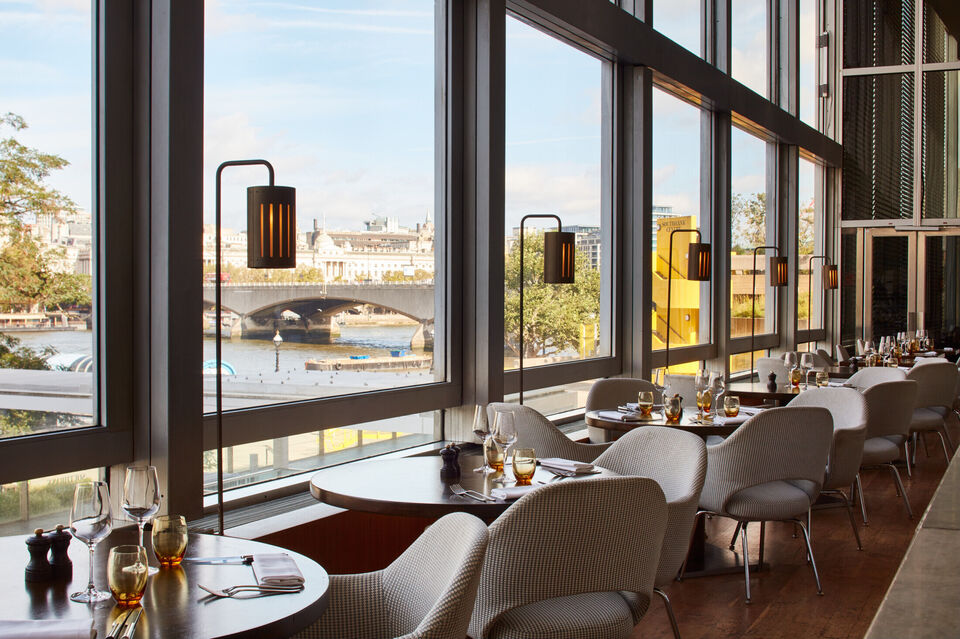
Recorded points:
(173, 605)
(615, 423)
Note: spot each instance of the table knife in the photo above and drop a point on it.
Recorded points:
(238, 560)
(118, 624)
(132, 626)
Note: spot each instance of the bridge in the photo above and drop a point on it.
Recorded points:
(309, 308)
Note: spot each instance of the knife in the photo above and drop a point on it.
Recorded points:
(118, 624)
(238, 560)
(132, 626)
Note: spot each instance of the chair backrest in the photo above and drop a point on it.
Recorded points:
(890, 407)
(867, 377)
(431, 588)
(938, 384)
(616, 391)
(676, 460)
(930, 360)
(842, 354)
(861, 346)
(779, 444)
(537, 432)
(569, 538)
(827, 357)
(849, 412)
(684, 385)
(767, 365)
(819, 361)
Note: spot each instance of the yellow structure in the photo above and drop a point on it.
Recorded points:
(685, 295)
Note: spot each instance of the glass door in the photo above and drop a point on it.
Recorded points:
(940, 293)
(890, 275)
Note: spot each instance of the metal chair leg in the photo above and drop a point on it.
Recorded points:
(763, 528)
(926, 447)
(746, 559)
(813, 563)
(946, 455)
(683, 566)
(736, 533)
(670, 615)
(946, 431)
(853, 522)
(906, 500)
(863, 504)
(906, 455)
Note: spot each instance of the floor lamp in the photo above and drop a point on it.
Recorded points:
(830, 283)
(778, 274)
(271, 243)
(558, 266)
(698, 270)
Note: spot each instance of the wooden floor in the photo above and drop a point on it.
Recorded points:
(784, 599)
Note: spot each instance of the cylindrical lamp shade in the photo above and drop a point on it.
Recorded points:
(698, 262)
(271, 227)
(558, 257)
(779, 271)
(831, 278)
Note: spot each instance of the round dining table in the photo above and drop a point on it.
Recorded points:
(173, 605)
(615, 428)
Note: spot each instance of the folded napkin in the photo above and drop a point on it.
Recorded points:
(948, 349)
(635, 407)
(723, 420)
(836, 384)
(566, 464)
(512, 492)
(927, 354)
(46, 629)
(614, 415)
(276, 569)
(905, 369)
(752, 410)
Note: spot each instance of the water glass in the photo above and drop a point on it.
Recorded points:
(91, 520)
(645, 403)
(141, 497)
(169, 539)
(481, 428)
(731, 405)
(823, 378)
(127, 574)
(524, 465)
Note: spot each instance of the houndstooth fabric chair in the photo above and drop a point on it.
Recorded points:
(769, 469)
(676, 460)
(889, 409)
(767, 365)
(559, 557)
(537, 432)
(848, 409)
(613, 392)
(428, 592)
(867, 377)
(935, 397)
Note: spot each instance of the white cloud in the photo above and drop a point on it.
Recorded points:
(390, 13)
(751, 183)
(663, 174)
(570, 191)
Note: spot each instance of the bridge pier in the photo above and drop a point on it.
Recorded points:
(423, 338)
(318, 328)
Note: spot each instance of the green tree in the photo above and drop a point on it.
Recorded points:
(748, 214)
(29, 279)
(553, 313)
(807, 227)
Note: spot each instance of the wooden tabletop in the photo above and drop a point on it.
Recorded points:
(173, 605)
(412, 487)
(687, 423)
(758, 391)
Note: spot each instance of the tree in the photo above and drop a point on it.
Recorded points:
(553, 313)
(29, 279)
(748, 214)
(807, 227)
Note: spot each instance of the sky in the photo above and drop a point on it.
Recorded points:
(339, 95)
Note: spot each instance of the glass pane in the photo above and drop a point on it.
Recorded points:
(848, 288)
(889, 286)
(40, 503)
(942, 309)
(810, 243)
(307, 88)
(938, 44)
(46, 218)
(676, 20)
(878, 147)
(750, 227)
(809, 60)
(269, 459)
(878, 32)
(941, 144)
(676, 207)
(555, 399)
(556, 115)
(749, 61)
(740, 362)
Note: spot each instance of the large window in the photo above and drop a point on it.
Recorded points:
(810, 222)
(749, 38)
(940, 155)
(809, 60)
(681, 21)
(556, 114)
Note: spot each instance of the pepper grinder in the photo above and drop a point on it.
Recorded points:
(39, 568)
(451, 465)
(59, 556)
(772, 382)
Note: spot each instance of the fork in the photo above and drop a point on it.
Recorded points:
(472, 494)
(263, 590)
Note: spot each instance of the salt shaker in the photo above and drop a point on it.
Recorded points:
(59, 556)
(39, 568)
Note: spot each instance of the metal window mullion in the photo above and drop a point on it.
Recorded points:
(563, 373)
(918, 112)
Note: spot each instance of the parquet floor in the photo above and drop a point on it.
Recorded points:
(784, 599)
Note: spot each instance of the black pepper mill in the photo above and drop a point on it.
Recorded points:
(59, 556)
(451, 465)
(772, 382)
(39, 568)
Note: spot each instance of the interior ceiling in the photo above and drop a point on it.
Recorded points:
(949, 11)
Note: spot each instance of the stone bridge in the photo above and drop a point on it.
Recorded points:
(308, 308)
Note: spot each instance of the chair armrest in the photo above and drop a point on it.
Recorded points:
(355, 609)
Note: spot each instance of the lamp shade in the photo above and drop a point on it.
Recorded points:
(831, 278)
(779, 271)
(698, 262)
(558, 257)
(271, 227)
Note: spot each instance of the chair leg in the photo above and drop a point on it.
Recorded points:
(670, 615)
(683, 566)
(763, 528)
(906, 500)
(906, 455)
(853, 522)
(736, 533)
(946, 431)
(946, 454)
(746, 559)
(863, 504)
(926, 447)
(813, 563)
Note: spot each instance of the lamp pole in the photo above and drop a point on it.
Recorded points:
(823, 293)
(277, 341)
(753, 298)
(670, 285)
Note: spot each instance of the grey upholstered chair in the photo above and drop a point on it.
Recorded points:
(861, 347)
(867, 377)
(769, 469)
(842, 354)
(676, 460)
(827, 357)
(428, 592)
(613, 392)
(819, 361)
(537, 432)
(849, 411)
(767, 365)
(559, 558)
(935, 397)
(889, 410)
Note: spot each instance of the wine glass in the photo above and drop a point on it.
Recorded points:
(91, 520)
(790, 360)
(659, 379)
(806, 363)
(719, 388)
(141, 497)
(505, 432)
(701, 383)
(645, 403)
(481, 428)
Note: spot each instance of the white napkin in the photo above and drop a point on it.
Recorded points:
(276, 569)
(836, 384)
(614, 415)
(905, 369)
(723, 420)
(927, 354)
(566, 464)
(46, 629)
(752, 410)
(512, 492)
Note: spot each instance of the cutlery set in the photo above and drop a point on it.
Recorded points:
(125, 625)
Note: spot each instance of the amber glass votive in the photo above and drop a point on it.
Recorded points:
(127, 572)
(524, 465)
(731, 405)
(169, 539)
(823, 378)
